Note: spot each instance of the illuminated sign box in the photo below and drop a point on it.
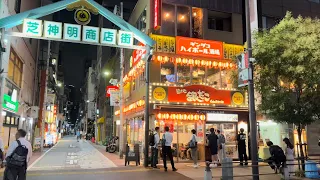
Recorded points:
(216, 117)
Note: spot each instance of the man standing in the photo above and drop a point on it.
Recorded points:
(241, 146)
(213, 145)
(166, 149)
(20, 148)
(155, 148)
(221, 146)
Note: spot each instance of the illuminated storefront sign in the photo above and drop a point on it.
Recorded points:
(137, 55)
(131, 107)
(165, 44)
(215, 117)
(10, 103)
(199, 47)
(109, 89)
(157, 16)
(232, 50)
(196, 94)
(180, 116)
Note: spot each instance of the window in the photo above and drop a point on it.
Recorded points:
(198, 75)
(213, 77)
(15, 68)
(141, 23)
(17, 6)
(10, 87)
(219, 21)
(197, 22)
(269, 22)
(183, 21)
(168, 19)
(183, 75)
(167, 73)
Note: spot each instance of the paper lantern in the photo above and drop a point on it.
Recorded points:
(196, 117)
(191, 117)
(202, 117)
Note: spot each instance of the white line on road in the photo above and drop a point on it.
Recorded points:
(29, 167)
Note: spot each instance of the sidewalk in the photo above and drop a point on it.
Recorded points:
(114, 157)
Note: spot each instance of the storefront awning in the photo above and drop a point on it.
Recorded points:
(101, 120)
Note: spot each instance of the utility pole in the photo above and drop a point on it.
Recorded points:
(121, 133)
(146, 109)
(45, 96)
(252, 111)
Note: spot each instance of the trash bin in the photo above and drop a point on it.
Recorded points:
(311, 170)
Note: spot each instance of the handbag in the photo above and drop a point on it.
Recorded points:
(193, 143)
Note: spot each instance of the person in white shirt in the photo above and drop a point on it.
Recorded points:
(155, 147)
(194, 149)
(18, 173)
(166, 149)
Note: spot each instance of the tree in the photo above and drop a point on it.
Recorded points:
(288, 71)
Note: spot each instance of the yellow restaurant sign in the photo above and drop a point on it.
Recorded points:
(164, 44)
(232, 50)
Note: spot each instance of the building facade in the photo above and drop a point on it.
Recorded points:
(191, 73)
(19, 62)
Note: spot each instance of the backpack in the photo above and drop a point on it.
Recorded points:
(193, 142)
(18, 158)
(151, 139)
(222, 139)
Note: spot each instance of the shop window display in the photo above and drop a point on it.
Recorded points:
(183, 74)
(214, 77)
(198, 75)
(168, 73)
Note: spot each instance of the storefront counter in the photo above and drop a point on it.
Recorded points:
(264, 152)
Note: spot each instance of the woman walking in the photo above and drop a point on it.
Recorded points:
(194, 148)
(290, 156)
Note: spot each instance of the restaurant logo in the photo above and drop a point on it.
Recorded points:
(159, 93)
(198, 96)
(199, 47)
(82, 16)
(237, 98)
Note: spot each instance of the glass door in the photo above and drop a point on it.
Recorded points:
(230, 133)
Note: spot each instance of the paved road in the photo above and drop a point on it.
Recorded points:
(72, 160)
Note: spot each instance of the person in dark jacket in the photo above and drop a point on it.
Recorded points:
(277, 159)
(241, 146)
(213, 145)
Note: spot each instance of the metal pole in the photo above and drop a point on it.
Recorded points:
(1, 84)
(146, 109)
(121, 133)
(45, 96)
(252, 111)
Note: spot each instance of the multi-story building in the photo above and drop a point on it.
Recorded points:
(19, 62)
(190, 73)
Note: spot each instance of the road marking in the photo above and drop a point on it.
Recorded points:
(84, 172)
(29, 167)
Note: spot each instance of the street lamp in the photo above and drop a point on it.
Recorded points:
(106, 73)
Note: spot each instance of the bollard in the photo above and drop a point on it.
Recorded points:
(227, 169)
(207, 172)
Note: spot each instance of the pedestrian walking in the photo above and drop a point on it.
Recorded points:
(290, 156)
(1, 153)
(78, 135)
(194, 148)
(213, 145)
(155, 147)
(166, 149)
(221, 147)
(17, 158)
(277, 159)
(241, 146)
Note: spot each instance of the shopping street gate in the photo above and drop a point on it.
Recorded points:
(49, 30)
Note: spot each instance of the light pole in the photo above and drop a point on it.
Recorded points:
(252, 111)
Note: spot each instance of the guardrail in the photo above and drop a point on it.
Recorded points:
(227, 169)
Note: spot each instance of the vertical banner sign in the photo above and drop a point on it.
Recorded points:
(114, 98)
(157, 14)
(243, 69)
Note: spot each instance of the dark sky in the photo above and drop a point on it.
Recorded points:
(74, 56)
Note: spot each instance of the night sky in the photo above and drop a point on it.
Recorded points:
(74, 56)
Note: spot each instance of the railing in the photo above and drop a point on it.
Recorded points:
(228, 167)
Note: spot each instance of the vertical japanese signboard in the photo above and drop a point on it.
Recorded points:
(157, 14)
(243, 69)
(166, 44)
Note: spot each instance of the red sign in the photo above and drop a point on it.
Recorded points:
(110, 88)
(199, 47)
(54, 110)
(198, 94)
(137, 55)
(157, 12)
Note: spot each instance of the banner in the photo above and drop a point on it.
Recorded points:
(243, 69)
(115, 98)
(230, 51)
